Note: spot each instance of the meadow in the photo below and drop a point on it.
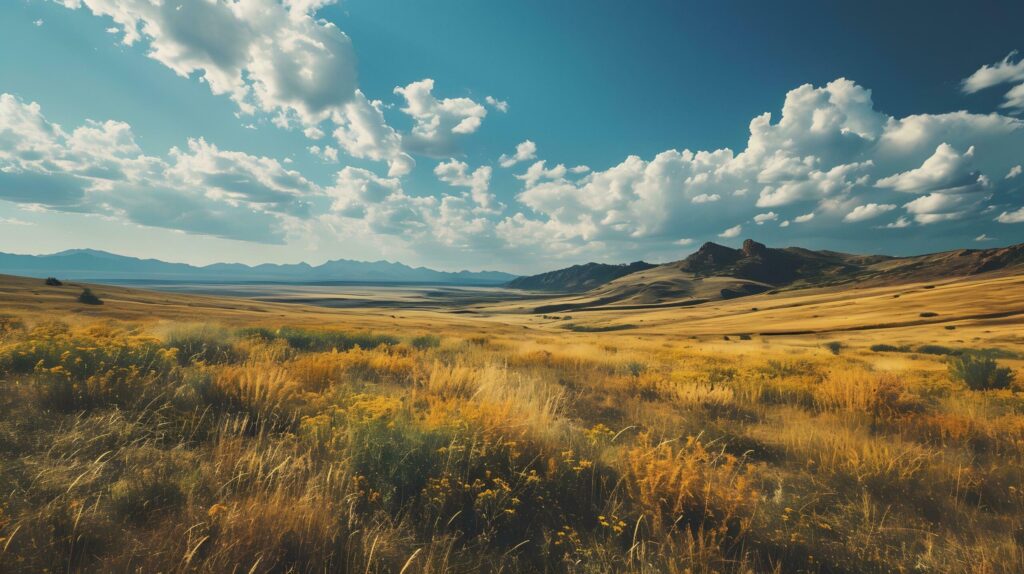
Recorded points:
(258, 442)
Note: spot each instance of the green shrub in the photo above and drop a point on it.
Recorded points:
(980, 373)
(89, 298)
(53, 282)
(834, 346)
(424, 342)
(320, 341)
(206, 343)
(937, 350)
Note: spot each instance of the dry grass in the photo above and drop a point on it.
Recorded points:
(157, 446)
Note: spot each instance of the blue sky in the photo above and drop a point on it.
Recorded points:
(185, 132)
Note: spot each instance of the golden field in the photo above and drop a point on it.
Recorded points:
(875, 429)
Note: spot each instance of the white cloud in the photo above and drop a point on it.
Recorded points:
(900, 223)
(500, 105)
(1006, 71)
(984, 237)
(784, 223)
(525, 151)
(706, 199)
(946, 169)
(38, 23)
(14, 221)
(1014, 172)
(478, 181)
(98, 168)
(731, 232)
(268, 57)
(936, 207)
(580, 169)
(804, 218)
(867, 211)
(437, 122)
(538, 172)
(684, 241)
(326, 153)
(762, 218)
(1011, 216)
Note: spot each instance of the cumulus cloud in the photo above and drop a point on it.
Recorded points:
(936, 207)
(1014, 171)
(437, 122)
(706, 198)
(762, 218)
(867, 211)
(830, 151)
(267, 56)
(946, 169)
(1011, 216)
(732, 232)
(457, 173)
(525, 151)
(1006, 71)
(500, 105)
(98, 168)
(900, 223)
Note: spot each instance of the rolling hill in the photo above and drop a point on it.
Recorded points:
(719, 272)
(578, 278)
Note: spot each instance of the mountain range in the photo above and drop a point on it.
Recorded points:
(89, 264)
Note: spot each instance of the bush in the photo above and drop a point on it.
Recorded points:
(53, 282)
(320, 341)
(929, 314)
(980, 373)
(89, 298)
(834, 346)
(882, 348)
(424, 342)
(937, 350)
(205, 343)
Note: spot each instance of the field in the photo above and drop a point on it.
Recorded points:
(876, 429)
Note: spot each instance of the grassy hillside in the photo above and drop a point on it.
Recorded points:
(179, 433)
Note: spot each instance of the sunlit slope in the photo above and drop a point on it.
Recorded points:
(942, 310)
(981, 310)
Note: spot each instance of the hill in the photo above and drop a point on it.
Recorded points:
(716, 272)
(577, 278)
(89, 264)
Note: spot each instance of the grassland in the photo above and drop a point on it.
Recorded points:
(808, 431)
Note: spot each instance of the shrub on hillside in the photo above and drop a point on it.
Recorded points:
(834, 347)
(205, 343)
(53, 282)
(89, 298)
(320, 341)
(980, 373)
(424, 342)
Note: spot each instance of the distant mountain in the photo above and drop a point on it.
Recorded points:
(89, 264)
(578, 278)
(719, 272)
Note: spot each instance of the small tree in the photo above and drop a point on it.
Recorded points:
(980, 373)
(89, 298)
(53, 282)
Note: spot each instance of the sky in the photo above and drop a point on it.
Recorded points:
(517, 136)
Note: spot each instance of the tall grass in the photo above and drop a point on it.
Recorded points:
(200, 448)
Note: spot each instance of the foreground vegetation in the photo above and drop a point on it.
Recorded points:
(275, 449)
